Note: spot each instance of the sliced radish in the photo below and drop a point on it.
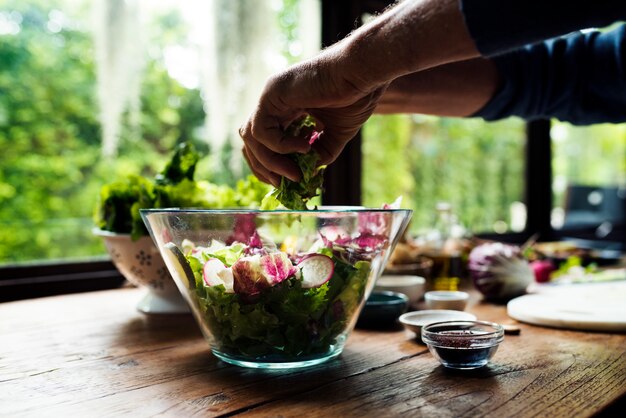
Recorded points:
(315, 270)
(248, 275)
(215, 273)
(276, 267)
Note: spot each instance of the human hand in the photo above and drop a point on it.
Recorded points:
(340, 87)
(319, 88)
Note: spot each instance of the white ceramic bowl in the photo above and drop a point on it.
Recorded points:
(446, 299)
(414, 321)
(140, 263)
(412, 286)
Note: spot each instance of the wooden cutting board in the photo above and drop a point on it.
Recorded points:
(591, 307)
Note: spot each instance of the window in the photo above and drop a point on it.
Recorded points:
(589, 181)
(92, 90)
(532, 170)
(188, 70)
(475, 166)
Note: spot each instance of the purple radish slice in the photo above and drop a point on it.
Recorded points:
(253, 273)
(276, 267)
(315, 270)
(215, 273)
(248, 275)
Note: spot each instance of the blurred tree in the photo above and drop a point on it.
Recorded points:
(587, 155)
(50, 168)
(473, 165)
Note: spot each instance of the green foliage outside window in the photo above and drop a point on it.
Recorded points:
(475, 166)
(51, 168)
(587, 155)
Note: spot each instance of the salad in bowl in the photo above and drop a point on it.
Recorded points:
(276, 289)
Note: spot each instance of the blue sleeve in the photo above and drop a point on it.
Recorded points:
(499, 26)
(580, 79)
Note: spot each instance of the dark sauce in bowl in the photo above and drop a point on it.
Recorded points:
(463, 344)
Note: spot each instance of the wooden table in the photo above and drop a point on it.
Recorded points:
(93, 354)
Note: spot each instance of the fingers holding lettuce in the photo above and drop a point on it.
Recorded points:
(338, 108)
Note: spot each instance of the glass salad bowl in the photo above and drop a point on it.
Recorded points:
(276, 289)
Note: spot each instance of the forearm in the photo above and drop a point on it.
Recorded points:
(412, 36)
(419, 34)
(456, 89)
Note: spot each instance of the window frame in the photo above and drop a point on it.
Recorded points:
(53, 278)
(342, 187)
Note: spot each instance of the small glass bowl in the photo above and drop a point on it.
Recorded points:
(463, 344)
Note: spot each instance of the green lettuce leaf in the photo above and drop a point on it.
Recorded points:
(120, 201)
(249, 192)
(227, 255)
(182, 165)
(284, 321)
(119, 204)
(295, 195)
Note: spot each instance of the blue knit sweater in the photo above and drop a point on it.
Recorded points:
(546, 69)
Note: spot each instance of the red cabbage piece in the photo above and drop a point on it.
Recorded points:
(499, 271)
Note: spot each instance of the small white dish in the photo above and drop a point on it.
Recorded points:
(414, 321)
(410, 285)
(446, 299)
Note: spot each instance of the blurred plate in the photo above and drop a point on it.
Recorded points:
(591, 307)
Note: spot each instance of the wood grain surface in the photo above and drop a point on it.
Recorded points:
(94, 355)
